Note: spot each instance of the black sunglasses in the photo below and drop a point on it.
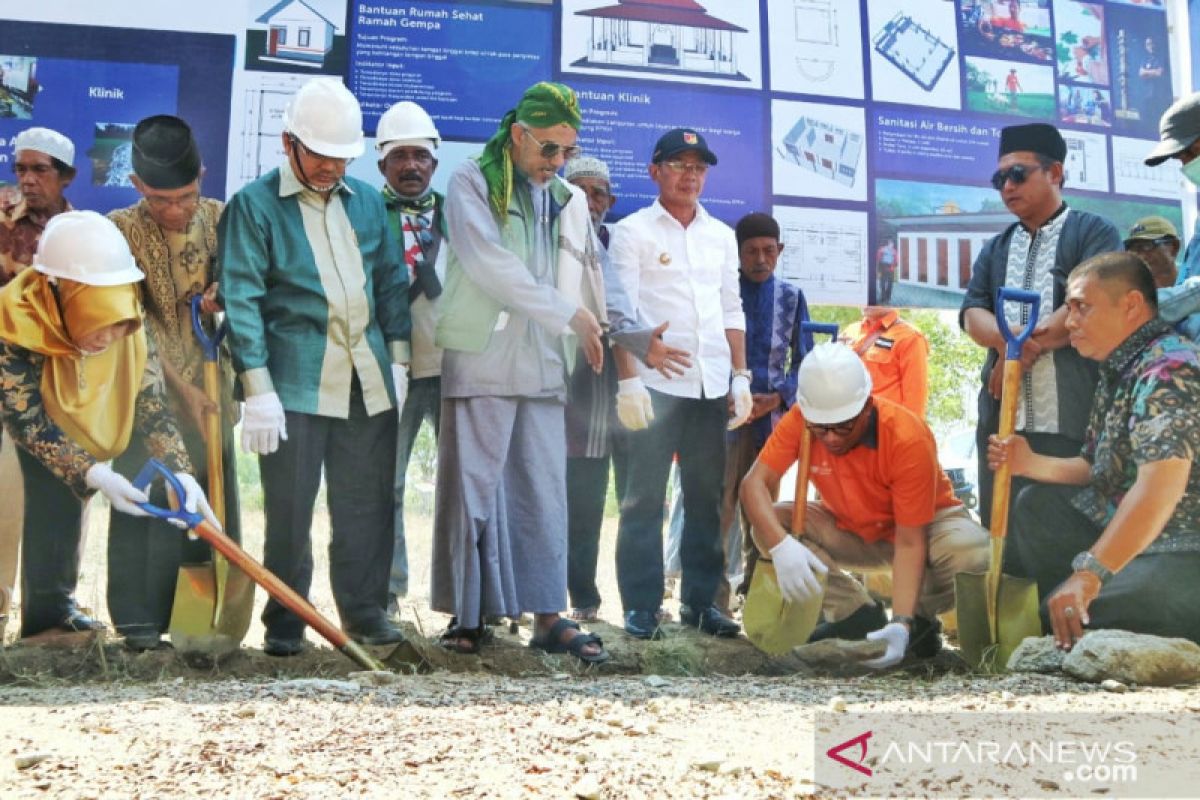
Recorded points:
(1146, 245)
(1018, 174)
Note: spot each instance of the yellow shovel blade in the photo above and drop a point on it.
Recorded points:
(213, 607)
(773, 624)
(1016, 618)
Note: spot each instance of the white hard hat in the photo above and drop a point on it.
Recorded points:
(833, 384)
(406, 124)
(326, 118)
(44, 140)
(85, 247)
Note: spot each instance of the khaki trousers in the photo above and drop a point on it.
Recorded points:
(957, 543)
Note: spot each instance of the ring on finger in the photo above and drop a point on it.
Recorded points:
(1069, 611)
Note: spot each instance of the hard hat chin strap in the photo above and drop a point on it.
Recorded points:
(298, 166)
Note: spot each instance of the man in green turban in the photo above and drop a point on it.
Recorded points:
(524, 289)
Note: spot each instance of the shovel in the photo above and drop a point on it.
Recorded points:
(248, 566)
(213, 602)
(996, 612)
(772, 624)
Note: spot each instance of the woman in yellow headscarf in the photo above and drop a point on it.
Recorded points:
(77, 374)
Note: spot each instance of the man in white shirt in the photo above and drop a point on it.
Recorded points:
(678, 263)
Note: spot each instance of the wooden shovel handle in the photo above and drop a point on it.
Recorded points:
(800, 506)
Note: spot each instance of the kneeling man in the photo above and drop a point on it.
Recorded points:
(1112, 536)
(885, 501)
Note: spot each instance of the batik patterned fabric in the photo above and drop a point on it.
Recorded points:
(25, 417)
(1147, 409)
(774, 310)
(177, 267)
(19, 233)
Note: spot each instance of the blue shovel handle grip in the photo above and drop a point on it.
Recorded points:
(1005, 294)
(830, 328)
(155, 468)
(209, 344)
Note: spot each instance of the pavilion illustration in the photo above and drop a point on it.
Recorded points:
(676, 36)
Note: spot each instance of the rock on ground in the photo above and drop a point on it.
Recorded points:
(1133, 658)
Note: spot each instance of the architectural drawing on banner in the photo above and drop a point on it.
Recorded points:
(825, 149)
(264, 97)
(914, 49)
(676, 36)
(816, 26)
(819, 150)
(1086, 165)
(18, 86)
(811, 47)
(825, 253)
(1132, 176)
(301, 35)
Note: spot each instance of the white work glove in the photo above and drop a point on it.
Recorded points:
(634, 408)
(796, 570)
(263, 424)
(743, 401)
(120, 492)
(193, 501)
(896, 636)
(400, 381)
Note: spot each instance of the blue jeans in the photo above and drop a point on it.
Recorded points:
(695, 429)
(424, 400)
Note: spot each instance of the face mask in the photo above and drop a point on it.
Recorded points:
(1191, 171)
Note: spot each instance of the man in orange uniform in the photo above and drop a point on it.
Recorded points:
(896, 355)
(884, 501)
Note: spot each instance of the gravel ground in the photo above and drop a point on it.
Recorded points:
(99, 723)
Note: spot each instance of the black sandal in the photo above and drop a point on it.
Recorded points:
(464, 641)
(552, 642)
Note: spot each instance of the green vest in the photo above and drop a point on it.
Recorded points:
(468, 314)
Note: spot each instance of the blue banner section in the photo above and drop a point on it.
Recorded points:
(924, 144)
(93, 84)
(622, 122)
(466, 64)
(96, 105)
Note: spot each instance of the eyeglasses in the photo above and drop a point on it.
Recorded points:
(1018, 174)
(1146, 245)
(691, 168)
(840, 429)
(304, 149)
(549, 150)
(159, 203)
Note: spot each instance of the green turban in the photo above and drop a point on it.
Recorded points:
(543, 105)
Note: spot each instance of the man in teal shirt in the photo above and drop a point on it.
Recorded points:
(314, 289)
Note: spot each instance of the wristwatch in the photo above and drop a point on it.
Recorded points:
(743, 373)
(1086, 562)
(905, 620)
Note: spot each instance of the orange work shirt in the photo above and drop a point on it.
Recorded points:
(897, 356)
(892, 477)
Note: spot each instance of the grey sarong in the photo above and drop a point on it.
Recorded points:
(500, 525)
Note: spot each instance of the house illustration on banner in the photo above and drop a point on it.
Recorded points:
(676, 36)
(296, 34)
